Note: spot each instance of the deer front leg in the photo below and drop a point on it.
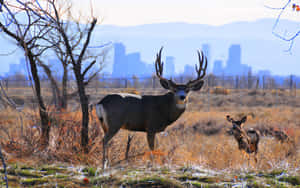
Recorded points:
(151, 139)
(246, 155)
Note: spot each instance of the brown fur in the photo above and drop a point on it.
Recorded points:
(247, 140)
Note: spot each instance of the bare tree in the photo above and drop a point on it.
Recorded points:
(74, 49)
(27, 30)
(77, 37)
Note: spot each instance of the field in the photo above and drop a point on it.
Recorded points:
(195, 151)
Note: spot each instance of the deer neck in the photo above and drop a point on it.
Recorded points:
(242, 139)
(175, 109)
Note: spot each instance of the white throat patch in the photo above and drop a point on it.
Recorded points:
(181, 106)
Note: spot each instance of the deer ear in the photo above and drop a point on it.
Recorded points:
(164, 83)
(167, 84)
(244, 119)
(229, 118)
(196, 86)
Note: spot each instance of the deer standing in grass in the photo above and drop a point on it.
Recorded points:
(247, 140)
(147, 113)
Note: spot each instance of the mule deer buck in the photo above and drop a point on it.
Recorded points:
(147, 113)
(247, 140)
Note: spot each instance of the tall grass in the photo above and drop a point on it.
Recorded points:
(196, 138)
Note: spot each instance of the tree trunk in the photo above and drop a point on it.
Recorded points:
(84, 108)
(44, 139)
(64, 101)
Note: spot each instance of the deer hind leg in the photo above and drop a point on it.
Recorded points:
(129, 139)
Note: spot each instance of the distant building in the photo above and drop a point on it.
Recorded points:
(15, 68)
(189, 71)
(128, 65)
(169, 69)
(234, 65)
(218, 68)
(262, 73)
(120, 61)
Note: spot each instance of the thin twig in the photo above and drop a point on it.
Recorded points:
(280, 36)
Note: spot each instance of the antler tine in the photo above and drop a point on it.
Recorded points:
(201, 71)
(158, 64)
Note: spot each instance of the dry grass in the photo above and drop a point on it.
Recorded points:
(197, 138)
(220, 91)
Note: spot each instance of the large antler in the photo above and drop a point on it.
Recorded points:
(201, 71)
(159, 66)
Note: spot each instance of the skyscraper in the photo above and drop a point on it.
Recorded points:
(120, 62)
(128, 65)
(234, 65)
(218, 68)
(169, 69)
(189, 71)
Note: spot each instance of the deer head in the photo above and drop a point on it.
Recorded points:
(237, 125)
(181, 90)
(238, 131)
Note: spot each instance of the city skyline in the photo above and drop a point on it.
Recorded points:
(126, 65)
(261, 50)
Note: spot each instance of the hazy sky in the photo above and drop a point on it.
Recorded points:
(213, 12)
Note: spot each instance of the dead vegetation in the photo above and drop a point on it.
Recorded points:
(199, 137)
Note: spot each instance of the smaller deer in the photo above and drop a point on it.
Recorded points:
(247, 140)
(279, 135)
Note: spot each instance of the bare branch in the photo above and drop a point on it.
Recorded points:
(284, 38)
(87, 39)
(89, 67)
